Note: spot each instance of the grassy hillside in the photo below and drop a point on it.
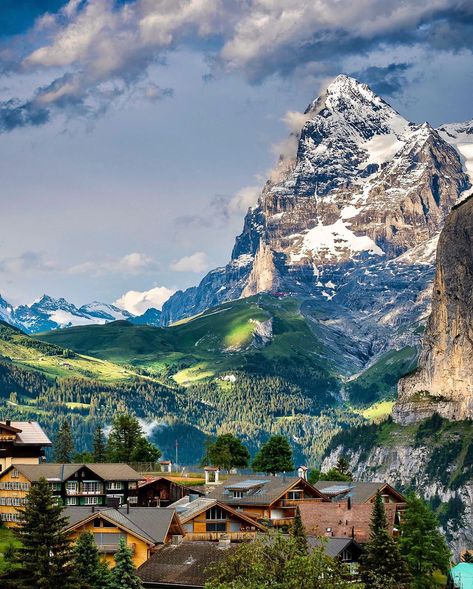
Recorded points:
(216, 342)
(379, 381)
(55, 362)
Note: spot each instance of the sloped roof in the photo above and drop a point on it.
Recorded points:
(61, 472)
(29, 433)
(359, 492)
(151, 523)
(187, 510)
(337, 520)
(333, 546)
(269, 490)
(150, 481)
(184, 564)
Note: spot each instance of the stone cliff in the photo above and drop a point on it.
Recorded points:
(443, 383)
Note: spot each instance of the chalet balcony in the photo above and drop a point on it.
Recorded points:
(85, 491)
(113, 548)
(282, 521)
(296, 502)
(215, 536)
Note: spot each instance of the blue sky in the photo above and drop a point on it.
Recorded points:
(133, 135)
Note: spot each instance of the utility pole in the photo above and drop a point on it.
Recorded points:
(177, 453)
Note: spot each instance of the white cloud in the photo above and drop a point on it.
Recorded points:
(245, 198)
(137, 302)
(129, 264)
(197, 262)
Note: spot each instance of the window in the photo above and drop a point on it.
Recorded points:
(294, 495)
(72, 487)
(216, 513)
(238, 494)
(55, 486)
(10, 517)
(71, 501)
(14, 486)
(92, 487)
(15, 474)
(15, 501)
(115, 485)
(92, 500)
(216, 527)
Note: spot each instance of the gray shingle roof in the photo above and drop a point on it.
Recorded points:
(187, 509)
(61, 472)
(359, 492)
(269, 490)
(31, 434)
(184, 564)
(333, 546)
(151, 523)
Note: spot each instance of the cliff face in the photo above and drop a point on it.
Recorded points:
(444, 380)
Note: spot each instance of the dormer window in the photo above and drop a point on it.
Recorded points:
(238, 494)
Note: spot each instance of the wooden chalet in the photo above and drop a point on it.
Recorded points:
(71, 484)
(204, 518)
(270, 498)
(144, 529)
(21, 442)
(360, 492)
(160, 492)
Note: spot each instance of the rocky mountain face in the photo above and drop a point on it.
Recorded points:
(444, 380)
(349, 221)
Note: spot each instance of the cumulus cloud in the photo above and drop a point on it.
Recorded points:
(103, 48)
(197, 262)
(137, 302)
(133, 263)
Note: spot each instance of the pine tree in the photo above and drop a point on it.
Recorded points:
(298, 534)
(382, 566)
(421, 544)
(63, 444)
(124, 575)
(89, 570)
(99, 447)
(124, 435)
(45, 554)
(274, 456)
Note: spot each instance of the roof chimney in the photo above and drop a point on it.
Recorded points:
(349, 503)
(176, 539)
(224, 542)
(128, 507)
(8, 422)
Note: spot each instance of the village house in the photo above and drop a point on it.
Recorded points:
(360, 492)
(72, 484)
(21, 442)
(344, 519)
(143, 528)
(272, 499)
(160, 492)
(183, 565)
(204, 518)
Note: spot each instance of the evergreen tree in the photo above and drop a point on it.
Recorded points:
(99, 447)
(145, 451)
(467, 557)
(274, 456)
(227, 452)
(90, 571)
(382, 566)
(124, 575)
(421, 544)
(63, 444)
(45, 554)
(127, 443)
(298, 534)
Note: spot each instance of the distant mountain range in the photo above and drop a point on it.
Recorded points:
(47, 314)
